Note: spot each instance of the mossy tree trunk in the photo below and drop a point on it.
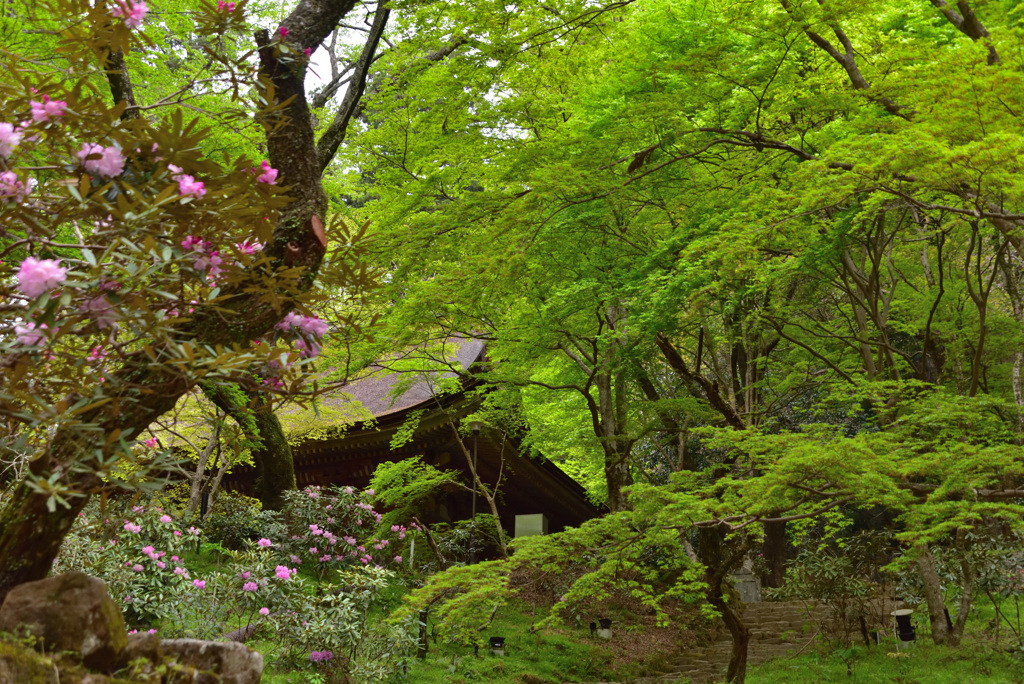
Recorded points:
(271, 453)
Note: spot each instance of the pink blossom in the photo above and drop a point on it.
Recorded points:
(307, 350)
(199, 584)
(152, 631)
(101, 311)
(181, 571)
(194, 531)
(42, 111)
(37, 276)
(282, 572)
(137, 568)
(187, 185)
(166, 519)
(295, 559)
(398, 559)
(264, 542)
(311, 325)
(97, 354)
(250, 586)
(249, 248)
(152, 443)
(228, 6)
(313, 551)
(29, 335)
(283, 31)
(138, 509)
(269, 175)
(264, 611)
(174, 558)
(307, 52)
(109, 164)
(177, 533)
(10, 186)
(10, 138)
(133, 12)
(132, 527)
(149, 551)
(193, 242)
(161, 565)
(326, 558)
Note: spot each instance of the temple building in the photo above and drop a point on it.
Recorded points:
(534, 496)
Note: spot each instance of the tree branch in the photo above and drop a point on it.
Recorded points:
(351, 103)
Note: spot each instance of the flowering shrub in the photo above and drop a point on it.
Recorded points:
(141, 552)
(336, 527)
(235, 520)
(138, 552)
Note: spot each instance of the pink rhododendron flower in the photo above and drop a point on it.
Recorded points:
(166, 519)
(264, 542)
(10, 186)
(249, 248)
(312, 551)
(264, 611)
(132, 527)
(137, 568)
(43, 111)
(10, 138)
(149, 551)
(97, 354)
(29, 335)
(199, 584)
(311, 325)
(101, 311)
(307, 351)
(193, 242)
(307, 52)
(132, 11)
(282, 572)
(109, 164)
(187, 185)
(177, 533)
(398, 559)
(269, 175)
(37, 276)
(295, 559)
(161, 565)
(283, 31)
(225, 6)
(152, 443)
(250, 586)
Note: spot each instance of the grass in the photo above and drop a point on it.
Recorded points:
(922, 663)
(980, 659)
(549, 655)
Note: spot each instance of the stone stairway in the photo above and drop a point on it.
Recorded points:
(777, 629)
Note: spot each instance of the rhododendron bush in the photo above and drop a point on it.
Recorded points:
(135, 262)
(147, 558)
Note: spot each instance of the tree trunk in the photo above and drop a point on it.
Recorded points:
(617, 475)
(774, 551)
(271, 452)
(712, 553)
(933, 597)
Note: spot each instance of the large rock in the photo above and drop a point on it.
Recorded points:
(235, 663)
(70, 612)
